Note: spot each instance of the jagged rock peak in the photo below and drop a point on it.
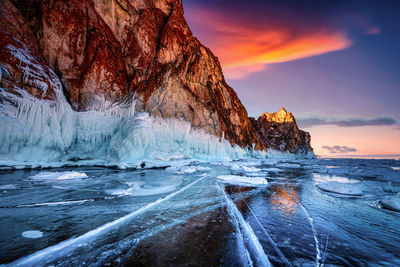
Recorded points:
(279, 131)
(281, 116)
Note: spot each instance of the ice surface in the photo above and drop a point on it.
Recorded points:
(243, 169)
(242, 180)
(141, 188)
(45, 176)
(354, 189)
(289, 165)
(391, 203)
(32, 234)
(388, 187)
(57, 203)
(52, 252)
(251, 169)
(306, 225)
(273, 170)
(246, 233)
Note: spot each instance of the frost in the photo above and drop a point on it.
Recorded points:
(33, 72)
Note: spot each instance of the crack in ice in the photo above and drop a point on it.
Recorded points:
(255, 246)
(70, 243)
(311, 221)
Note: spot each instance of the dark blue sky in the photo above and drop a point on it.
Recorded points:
(330, 60)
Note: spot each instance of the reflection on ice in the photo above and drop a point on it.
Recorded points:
(281, 200)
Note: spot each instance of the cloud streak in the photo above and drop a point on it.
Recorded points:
(339, 149)
(245, 46)
(310, 122)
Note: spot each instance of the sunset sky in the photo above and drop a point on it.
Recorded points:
(334, 64)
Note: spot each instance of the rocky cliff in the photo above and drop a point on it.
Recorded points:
(107, 51)
(279, 131)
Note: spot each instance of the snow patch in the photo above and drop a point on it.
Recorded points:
(242, 180)
(32, 234)
(352, 189)
(43, 176)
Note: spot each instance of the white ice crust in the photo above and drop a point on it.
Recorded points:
(353, 189)
(242, 180)
(46, 176)
(32, 234)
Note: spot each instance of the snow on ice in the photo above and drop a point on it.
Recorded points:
(352, 189)
(32, 234)
(242, 180)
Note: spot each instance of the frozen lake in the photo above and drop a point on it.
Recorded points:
(333, 212)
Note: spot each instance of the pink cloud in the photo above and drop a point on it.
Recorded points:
(245, 47)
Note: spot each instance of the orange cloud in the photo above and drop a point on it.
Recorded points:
(244, 47)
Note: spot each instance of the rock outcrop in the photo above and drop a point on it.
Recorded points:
(279, 131)
(108, 51)
(22, 65)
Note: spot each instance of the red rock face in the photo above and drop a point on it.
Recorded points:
(22, 65)
(279, 131)
(173, 75)
(107, 50)
(79, 46)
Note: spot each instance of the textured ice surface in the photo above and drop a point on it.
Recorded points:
(143, 188)
(8, 187)
(32, 234)
(354, 189)
(289, 165)
(242, 180)
(391, 203)
(175, 214)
